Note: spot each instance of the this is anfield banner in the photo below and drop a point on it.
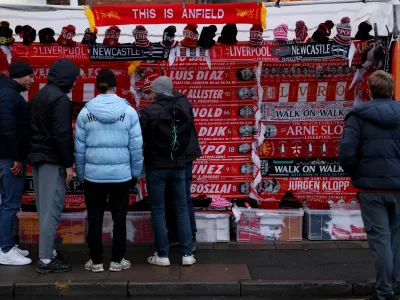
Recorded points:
(303, 130)
(337, 185)
(222, 170)
(305, 111)
(299, 148)
(301, 167)
(224, 13)
(218, 150)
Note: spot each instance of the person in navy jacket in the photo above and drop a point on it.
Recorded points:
(108, 157)
(370, 153)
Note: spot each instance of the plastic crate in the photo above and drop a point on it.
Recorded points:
(263, 225)
(138, 227)
(71, 228)
(212, 227)
(341, 222)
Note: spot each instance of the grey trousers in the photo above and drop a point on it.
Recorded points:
(381, 216)
(50, 190)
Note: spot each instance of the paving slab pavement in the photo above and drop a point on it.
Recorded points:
(309, 270)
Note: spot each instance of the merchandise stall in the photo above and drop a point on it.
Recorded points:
(269, 89)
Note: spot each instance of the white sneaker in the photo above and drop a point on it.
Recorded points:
(159, 261)
(123, 265)
(90, 266)
(14, 258)
(22, 252)
(188, 260)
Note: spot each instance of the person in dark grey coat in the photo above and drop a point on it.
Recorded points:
(370, 153)
(52, 158)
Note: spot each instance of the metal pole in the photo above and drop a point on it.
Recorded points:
(90, 3)
(73, 3)
(272, 4)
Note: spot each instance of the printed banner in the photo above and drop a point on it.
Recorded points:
(299, 148)
(301, 167)
(222, 170)
(71, 203)
(127, 52)
(303, 130)
(323, 90)
(316, 197)
(334, 111)
(336, 185)
(221, 74)
(216, 150)
(84, 89)
(226, 112)
(49, 52)
(223, 13)
(227, 189)
(309, 71)
(226, 131)
(212, 95)
(75, 187)
(274, 51)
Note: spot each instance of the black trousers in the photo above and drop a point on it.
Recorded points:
(96, 195)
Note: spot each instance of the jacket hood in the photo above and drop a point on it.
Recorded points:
(383, 113)
(63, 74)
(107, 108)
(166, 98)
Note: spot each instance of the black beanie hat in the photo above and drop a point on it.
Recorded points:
(228, 34)
(19, 69)
(27, 33)
(169, 37)
(363, 31)
(46, 36)
(106, 79)
(207, 36)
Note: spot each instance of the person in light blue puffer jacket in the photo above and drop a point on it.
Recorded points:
(108, 155)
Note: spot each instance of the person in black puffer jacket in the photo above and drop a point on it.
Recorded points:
(14, 149)
(370, 153)
(167, 127)
(51, 157)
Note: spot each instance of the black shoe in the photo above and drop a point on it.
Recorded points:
(194, 244)
(375, 297)
(54, 266)
(62, 258)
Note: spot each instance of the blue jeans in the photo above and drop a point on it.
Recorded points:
(381, 216)
(11, 189)
(169, 208)
(157, 181)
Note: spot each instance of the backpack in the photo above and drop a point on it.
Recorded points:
(173, 131)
